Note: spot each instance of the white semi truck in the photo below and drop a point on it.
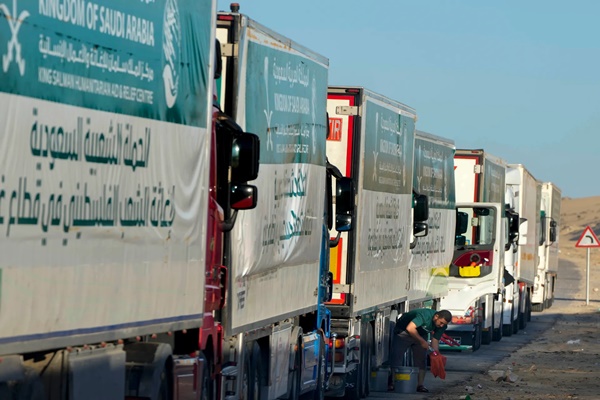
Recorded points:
(547, 272)
(276, 327)
(110, 244)
(372, 142)
(527, 196)
(476, 283)
(432, 255)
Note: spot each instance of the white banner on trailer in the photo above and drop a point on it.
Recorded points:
(113, 241)
(276, 247)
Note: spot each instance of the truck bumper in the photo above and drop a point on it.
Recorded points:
(337, 386)
(462, 334)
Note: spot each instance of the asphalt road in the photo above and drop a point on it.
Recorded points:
(462, 365)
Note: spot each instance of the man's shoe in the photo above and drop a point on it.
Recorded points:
(422, 389)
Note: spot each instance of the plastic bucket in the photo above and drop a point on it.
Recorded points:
(380, 380)
(405, 379)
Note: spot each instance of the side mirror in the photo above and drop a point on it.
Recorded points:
(238, 153)
(344, 204)
(462, 222)
(420, 215)
(218, 60)
(523, 226)
(243, 197)
(513, 226)
(420, 229)
(553, 226)
(481, 212)
(245, 157)
(343, 223)
(421, 210)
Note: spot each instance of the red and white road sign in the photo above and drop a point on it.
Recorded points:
(588, 239)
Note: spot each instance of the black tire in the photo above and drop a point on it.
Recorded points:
(507, 329)
(166, 383)
(208, 384)
(353, 380)
(366, 361)
(497, 333)
(477, 337)
(5, 391)
(31, 388)
(486, 336)
(523, 315)
(246, 379)
(295, 375)
(537, 307)
(319, 393)
(252, 385)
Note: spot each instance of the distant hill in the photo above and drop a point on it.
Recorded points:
(576, 215)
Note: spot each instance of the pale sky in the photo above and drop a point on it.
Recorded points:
(518, 78)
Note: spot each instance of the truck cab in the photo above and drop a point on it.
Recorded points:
(475, 275)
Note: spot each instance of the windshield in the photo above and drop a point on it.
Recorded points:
(477, 227)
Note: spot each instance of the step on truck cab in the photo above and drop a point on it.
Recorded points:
(372, 142)
(476, 282)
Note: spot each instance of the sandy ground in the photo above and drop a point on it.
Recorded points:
(564, 361)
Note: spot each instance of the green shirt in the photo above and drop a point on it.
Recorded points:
(423, 319)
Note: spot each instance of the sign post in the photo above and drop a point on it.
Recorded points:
(587, 240)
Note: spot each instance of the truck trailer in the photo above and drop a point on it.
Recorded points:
(527, 195)
(432, 255)
(275, 326)
(372, 142)
(476, 283)
(547, 272)
(111, 245)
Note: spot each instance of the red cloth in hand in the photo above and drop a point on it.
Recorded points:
(438, 365)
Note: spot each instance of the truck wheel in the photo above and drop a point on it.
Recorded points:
(539, 307)
(353, 380)
(515, 324)
(507, 329)
(257, 372)
(208, 384)
(497, 332)
(319, 393)
(477, 337)
(31, 388)
(252, 373)
(486, 336)
(366, 361)
(165, 392)
(295, 375)
(5, 392)
(523, 315)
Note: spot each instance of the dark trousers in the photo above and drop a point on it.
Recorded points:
(400, 344)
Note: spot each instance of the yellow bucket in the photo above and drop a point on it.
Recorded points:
(405, 379)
